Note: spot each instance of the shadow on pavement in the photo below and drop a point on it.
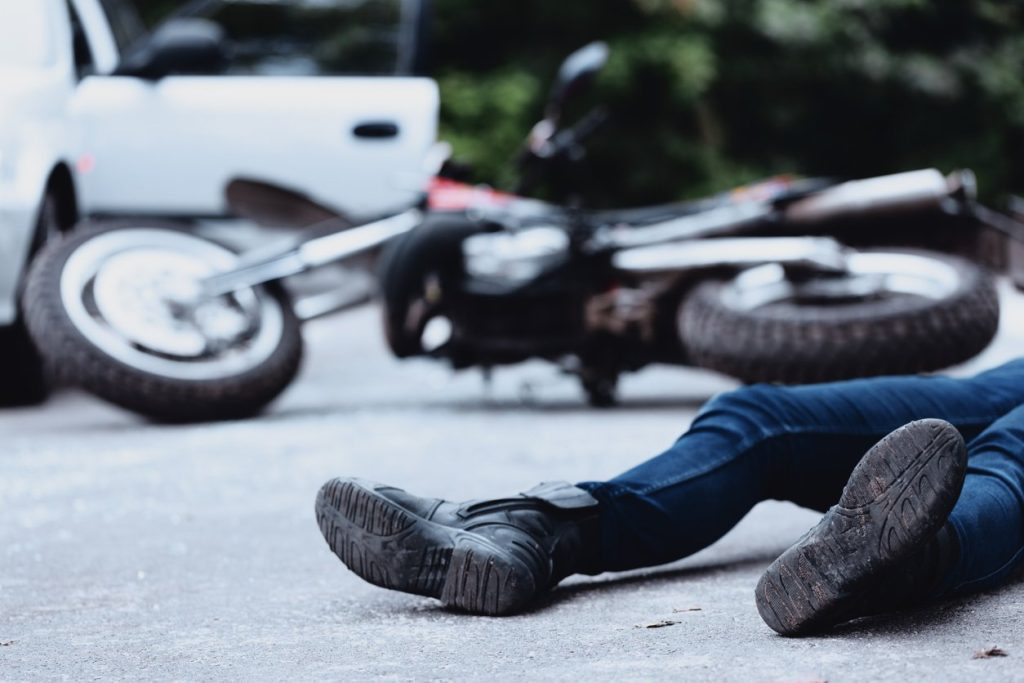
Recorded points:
(484, 406)
(617, 581)
(605, 583)
(933, 617)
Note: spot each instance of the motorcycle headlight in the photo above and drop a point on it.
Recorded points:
(514, 256)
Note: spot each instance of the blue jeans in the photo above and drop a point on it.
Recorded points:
(800, 444)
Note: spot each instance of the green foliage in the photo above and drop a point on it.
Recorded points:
(707, 93)
(153, 11)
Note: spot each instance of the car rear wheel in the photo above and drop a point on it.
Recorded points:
(21, 367)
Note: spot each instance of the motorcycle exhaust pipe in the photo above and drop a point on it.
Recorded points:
(912, 191)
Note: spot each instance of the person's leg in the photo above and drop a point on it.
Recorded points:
(988, 519)
(486, 557)
(496, 556)
(770, 442)
(879, 548)
(919, 519)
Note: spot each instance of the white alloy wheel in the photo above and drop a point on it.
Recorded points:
(121, 312)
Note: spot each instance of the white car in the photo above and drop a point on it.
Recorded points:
(100, 118)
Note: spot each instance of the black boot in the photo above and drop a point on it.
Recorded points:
(916, 580)
(487, 557)
(884, 535)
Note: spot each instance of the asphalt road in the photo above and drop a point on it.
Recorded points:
(130, 550)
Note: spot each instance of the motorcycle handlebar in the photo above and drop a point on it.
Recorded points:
(546, 145)
(565, 140)
(885, 195)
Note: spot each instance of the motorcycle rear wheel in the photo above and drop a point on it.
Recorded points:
(931, 311)
(108, 309)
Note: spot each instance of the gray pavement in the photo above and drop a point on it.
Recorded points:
(137, 551)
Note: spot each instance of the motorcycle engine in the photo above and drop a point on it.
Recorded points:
(522, 296)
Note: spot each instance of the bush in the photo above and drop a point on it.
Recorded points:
(707, 93)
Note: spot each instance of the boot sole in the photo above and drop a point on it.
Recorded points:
(897, 498)
(391, 547)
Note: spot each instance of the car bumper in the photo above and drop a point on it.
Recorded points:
(17, 222)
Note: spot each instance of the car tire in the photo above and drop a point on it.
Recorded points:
(25, 381)
(21, 367)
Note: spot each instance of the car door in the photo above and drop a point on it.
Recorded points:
(170, 146)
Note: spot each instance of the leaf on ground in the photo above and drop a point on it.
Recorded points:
(658, 624)
(676, 610)
(989, 653)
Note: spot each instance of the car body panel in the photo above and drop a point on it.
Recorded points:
(35, 138)
(104, 49)
(168, 147)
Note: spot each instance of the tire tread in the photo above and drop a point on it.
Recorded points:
(887, 338)
(71, 359)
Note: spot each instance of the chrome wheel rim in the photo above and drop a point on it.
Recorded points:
(135, 295)
(869, 275)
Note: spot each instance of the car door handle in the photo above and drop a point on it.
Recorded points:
(376, 130)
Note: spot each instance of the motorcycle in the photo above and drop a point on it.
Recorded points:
(751, 283)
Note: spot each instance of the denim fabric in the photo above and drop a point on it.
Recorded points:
(800, 444)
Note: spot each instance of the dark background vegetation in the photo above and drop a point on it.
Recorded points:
(708, 93)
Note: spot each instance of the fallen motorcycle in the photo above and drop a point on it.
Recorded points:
(750, 283)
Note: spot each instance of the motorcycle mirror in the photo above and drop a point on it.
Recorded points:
(576, 71)
(275, 206)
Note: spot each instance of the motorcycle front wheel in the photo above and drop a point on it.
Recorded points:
(894, 312)
(119, 311)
